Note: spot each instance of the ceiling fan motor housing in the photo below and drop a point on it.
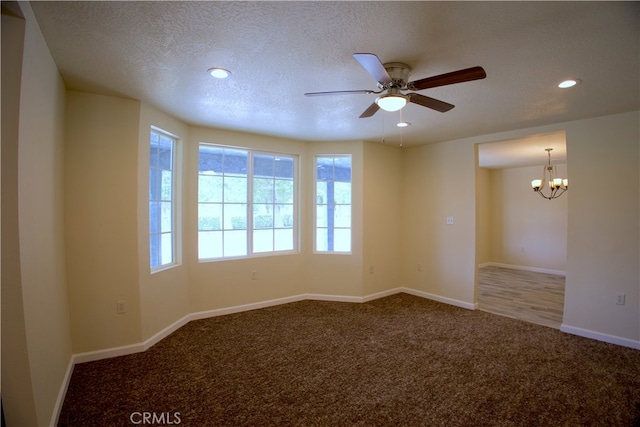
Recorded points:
(399, 73)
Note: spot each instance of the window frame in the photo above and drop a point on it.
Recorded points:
(175, 200)
(250, 228)
(315, 205)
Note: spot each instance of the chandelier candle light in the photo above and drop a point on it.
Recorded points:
(557, 186)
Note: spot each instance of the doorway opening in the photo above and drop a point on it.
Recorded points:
(521, 240)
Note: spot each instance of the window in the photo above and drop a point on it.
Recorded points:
(333, 204)
(162, 206)
(246, 203)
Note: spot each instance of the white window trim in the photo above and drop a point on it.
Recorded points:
(176, 202)
(315, 206)
(296, 202)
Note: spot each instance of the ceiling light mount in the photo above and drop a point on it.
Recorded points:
(557, 186)
(219, 73)
(568, 83)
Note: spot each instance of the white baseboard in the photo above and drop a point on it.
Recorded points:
(240, 308)
(382, 294)
(611, 339)
(57, 407)
(523, 267)
(342, 298)
(450, 301)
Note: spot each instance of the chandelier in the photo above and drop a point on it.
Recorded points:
(557, 186)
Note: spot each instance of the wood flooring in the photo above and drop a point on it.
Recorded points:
(519, 294)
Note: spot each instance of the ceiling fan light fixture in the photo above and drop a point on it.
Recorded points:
(219, 73)
(391, 102)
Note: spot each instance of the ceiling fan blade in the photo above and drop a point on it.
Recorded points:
(374, 67)
(429, 102)
(370, 111)
(460, 76)
(339, 92)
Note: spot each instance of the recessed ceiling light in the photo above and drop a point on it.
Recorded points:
(403, 124)
(219, 73)
(568, 83)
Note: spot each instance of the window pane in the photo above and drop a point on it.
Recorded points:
(210, 244)
(209, 217)
(263, 190)
(321, 193)
(235, 162)
(209, 188)
(235, 243)
(342, 240)
(333, 203)
(263, 216)
(166, 216)
(165, 153)
(167, 248)
(225, 177)
(284, 167)
(322, 239)
(153, 150)
(161, 199)
(342, 192)
(235, 216)
(235, 189)
(283, 191)
(210, 159)
(166, 189)
(284, 216)
(155, 183)
(154, 218)
(154, 252)
(263, 241)
(283, 240)
(263, 166)
(321, 216)
(342, 216)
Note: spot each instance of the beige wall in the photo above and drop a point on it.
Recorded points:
(101, 219)
(381, 217)
(527, 230)
(439, 182)
(17, 391)
(34, 279)
(164, 295)
(484, 216)
(603, 250)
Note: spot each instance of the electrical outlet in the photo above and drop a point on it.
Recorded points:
(620, 299)
(419, 267)
(371, 269)
(121, 307)
(254, 275)
(449, 220)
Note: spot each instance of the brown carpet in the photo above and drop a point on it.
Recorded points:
(396, 361)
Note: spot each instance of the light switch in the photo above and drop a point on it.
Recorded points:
(449, 220)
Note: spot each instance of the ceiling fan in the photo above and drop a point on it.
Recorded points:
(392, 78)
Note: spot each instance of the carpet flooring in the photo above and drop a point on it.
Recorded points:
(396, 361)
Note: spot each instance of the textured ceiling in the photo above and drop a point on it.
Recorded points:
(159, 52)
